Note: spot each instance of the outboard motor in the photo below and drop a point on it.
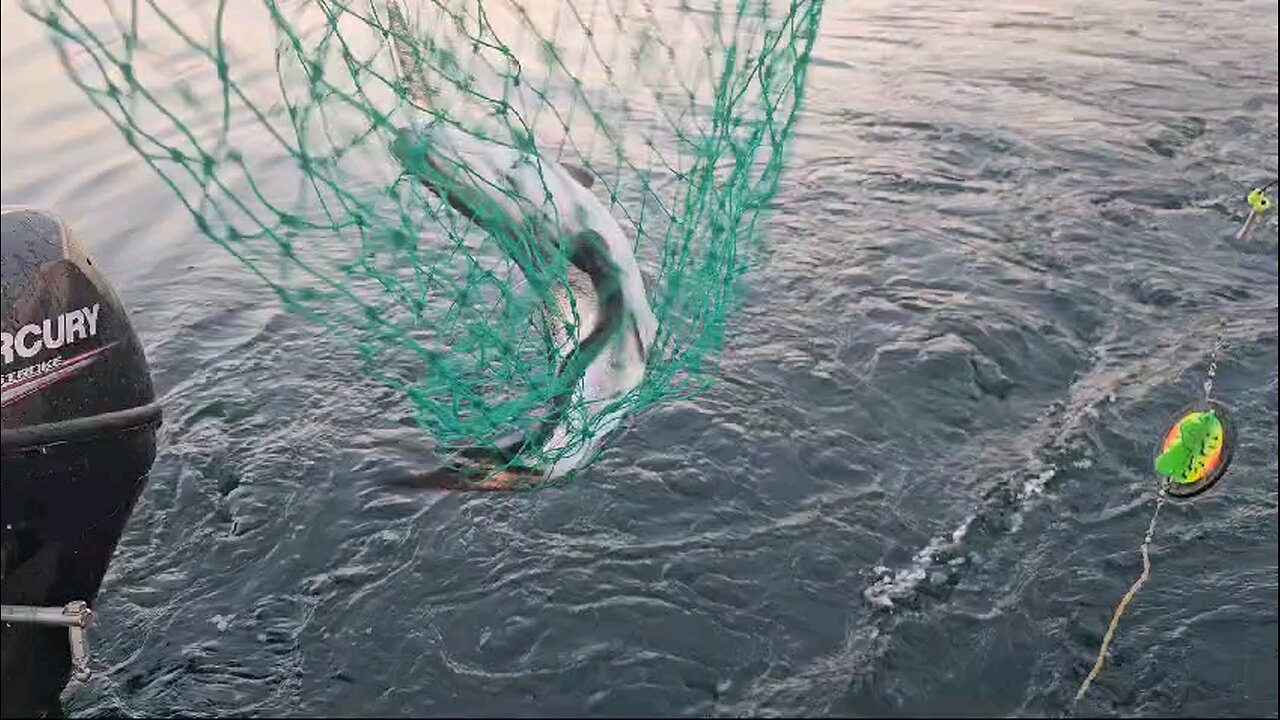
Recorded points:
(77, 442)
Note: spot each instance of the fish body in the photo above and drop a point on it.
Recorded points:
(544, 213)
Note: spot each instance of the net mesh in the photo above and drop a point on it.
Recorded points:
(275, 124)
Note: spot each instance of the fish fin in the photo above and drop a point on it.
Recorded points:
(590, 254)
(444, 478)
(635, 333)
(451, 479)
(499, 454)
(581, 174)
(485, 471)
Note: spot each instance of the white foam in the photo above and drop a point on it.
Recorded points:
(902, 584)
(1035, 484)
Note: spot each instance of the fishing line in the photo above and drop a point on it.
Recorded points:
(1201, 469)
(1193, 455)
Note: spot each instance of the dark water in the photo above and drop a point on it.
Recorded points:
(1001, 253)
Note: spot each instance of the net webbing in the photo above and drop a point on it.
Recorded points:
(274, 123)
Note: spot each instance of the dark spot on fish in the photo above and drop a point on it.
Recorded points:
(635, 333)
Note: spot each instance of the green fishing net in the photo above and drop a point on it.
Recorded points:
(273, 121)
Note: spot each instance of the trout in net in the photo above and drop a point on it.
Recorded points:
(530, 216)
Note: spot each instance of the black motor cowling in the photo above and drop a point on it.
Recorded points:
(77, 442)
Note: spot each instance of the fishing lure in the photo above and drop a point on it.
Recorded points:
(1196, 451)
(1259, 204)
